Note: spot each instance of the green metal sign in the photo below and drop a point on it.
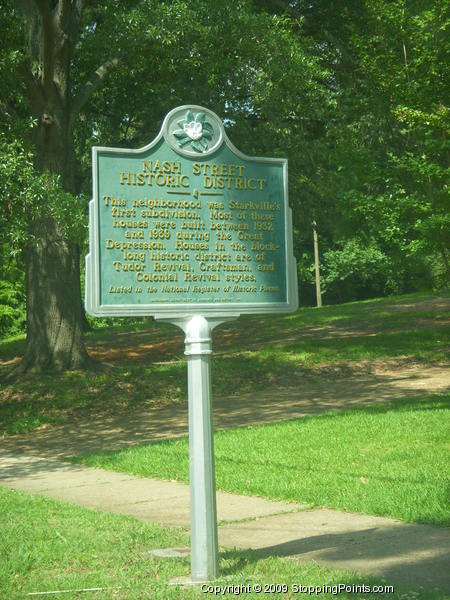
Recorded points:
(188, 224)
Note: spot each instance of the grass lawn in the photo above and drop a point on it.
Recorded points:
(144, 364)
(48, 545)
(392, 460)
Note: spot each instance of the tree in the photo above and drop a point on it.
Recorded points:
(381, 177)
(155, 54)
(52, 31)
(405, 66)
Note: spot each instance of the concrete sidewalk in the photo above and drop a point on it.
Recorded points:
(417, 555)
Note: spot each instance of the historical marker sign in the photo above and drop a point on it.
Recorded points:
(189, 225)
(192, 231)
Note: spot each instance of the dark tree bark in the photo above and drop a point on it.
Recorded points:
(55, 316)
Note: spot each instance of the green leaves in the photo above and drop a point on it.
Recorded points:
(356, 98)
(381, 178)
(12, 299)
(27, 195)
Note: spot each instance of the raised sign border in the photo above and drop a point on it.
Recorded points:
(161, 310)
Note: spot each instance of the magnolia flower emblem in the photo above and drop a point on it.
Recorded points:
(195, 131)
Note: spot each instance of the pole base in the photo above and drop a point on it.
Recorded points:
(185, 582)
(169, 552)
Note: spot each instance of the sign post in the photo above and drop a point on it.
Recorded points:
(190, 230)
(204, 546)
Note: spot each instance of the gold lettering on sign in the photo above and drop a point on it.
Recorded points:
(110, 200)
(223, 169)
(214, 240)
(121, 266)
(164, 167)
(159, 179)
(120, 289)
(237, 183)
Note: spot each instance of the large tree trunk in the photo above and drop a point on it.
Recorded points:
(54, 319)
(54, 309)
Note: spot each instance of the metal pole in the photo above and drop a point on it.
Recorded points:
(202, 479)
(316, 264)
(204, 546)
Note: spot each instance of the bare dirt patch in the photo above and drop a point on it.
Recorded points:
(122, 401)
(304, 396)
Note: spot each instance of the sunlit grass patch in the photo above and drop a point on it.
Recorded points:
(47, 545)
(387, 460)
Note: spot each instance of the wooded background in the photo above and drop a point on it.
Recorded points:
(354, 94)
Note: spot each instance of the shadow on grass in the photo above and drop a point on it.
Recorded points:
(389, 403)
(68, 397)
(144, 404)
(399, 553)
(55, 399)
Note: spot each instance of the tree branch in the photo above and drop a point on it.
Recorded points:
(48, 41)
(75, 19)
(94, 82)
(295, 14)
(34, 90)
(78, 6)
(62, 13)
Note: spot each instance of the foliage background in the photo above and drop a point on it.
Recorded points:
(355, 96)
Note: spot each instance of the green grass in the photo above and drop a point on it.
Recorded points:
(144, 362)
(58, 398)
(390, 460)
(47, 545)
